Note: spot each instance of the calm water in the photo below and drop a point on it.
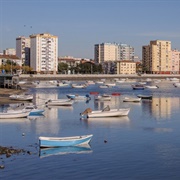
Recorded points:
(144, 145)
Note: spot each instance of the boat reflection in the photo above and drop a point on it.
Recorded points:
(46, 152)
(108, 121)
(14, 120)
(33, 117)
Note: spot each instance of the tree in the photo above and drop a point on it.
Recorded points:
(62, 68)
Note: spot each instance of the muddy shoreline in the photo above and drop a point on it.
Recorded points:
(5, 93)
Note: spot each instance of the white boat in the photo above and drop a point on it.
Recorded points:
(103, 97)
(110, 84)
(21, 97)
(131, 99)
(90, 82)
(59, 102)
(106, 112)
(177, 84)
(99, 82)
(62, 84)
(64, 141)
(78, 85)
(152, 87)
(103, 86)
(14, 114)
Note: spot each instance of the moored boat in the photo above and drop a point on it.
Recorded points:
(144, 96)
(21, 97)
(106, 112)
(131, 99)
(14, 114)
(64, 141)
(103, 97)
(59, 102)
(138, 87)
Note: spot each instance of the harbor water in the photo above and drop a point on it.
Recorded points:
(143, 145)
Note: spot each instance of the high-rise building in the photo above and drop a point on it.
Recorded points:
(113, 52)
(106, 52)
(44, 53)
(23, 49)
(156, 57)
(9, 51)
(126, 52)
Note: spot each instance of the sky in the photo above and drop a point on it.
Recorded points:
(80, 24)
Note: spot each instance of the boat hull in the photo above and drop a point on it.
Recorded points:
(11, 115)
(111, 113)
(66, 141)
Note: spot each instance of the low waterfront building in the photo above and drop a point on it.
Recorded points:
(12, 58)
(126, 67)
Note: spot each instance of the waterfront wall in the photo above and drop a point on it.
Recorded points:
(92, 76)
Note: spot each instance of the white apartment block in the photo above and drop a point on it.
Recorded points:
(23, 49)
(126, 52)
(44, 53)
(175, 61)
(126, 67)
(9, 51)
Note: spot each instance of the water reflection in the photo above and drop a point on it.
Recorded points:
(161, 107)
(46, 152)
(110, 122)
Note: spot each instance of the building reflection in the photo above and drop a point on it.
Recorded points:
(114, 103)
(161, 107)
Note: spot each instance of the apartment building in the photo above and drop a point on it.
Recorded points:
(9, 51)
(106, 52)
(175, 61)
(23, 49)
(113, 52)
(44, 53)
(157, 57)
(126, 67)
(126, 52)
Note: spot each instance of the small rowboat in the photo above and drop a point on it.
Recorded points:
(64, 141)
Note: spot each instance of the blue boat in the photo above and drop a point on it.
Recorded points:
(64, 141)
(45, 152)
(34, 110)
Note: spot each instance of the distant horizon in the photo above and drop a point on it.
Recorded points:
(81, 24)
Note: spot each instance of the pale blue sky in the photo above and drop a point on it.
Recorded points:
(79, 24)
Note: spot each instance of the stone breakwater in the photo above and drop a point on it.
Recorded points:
(80, 77)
